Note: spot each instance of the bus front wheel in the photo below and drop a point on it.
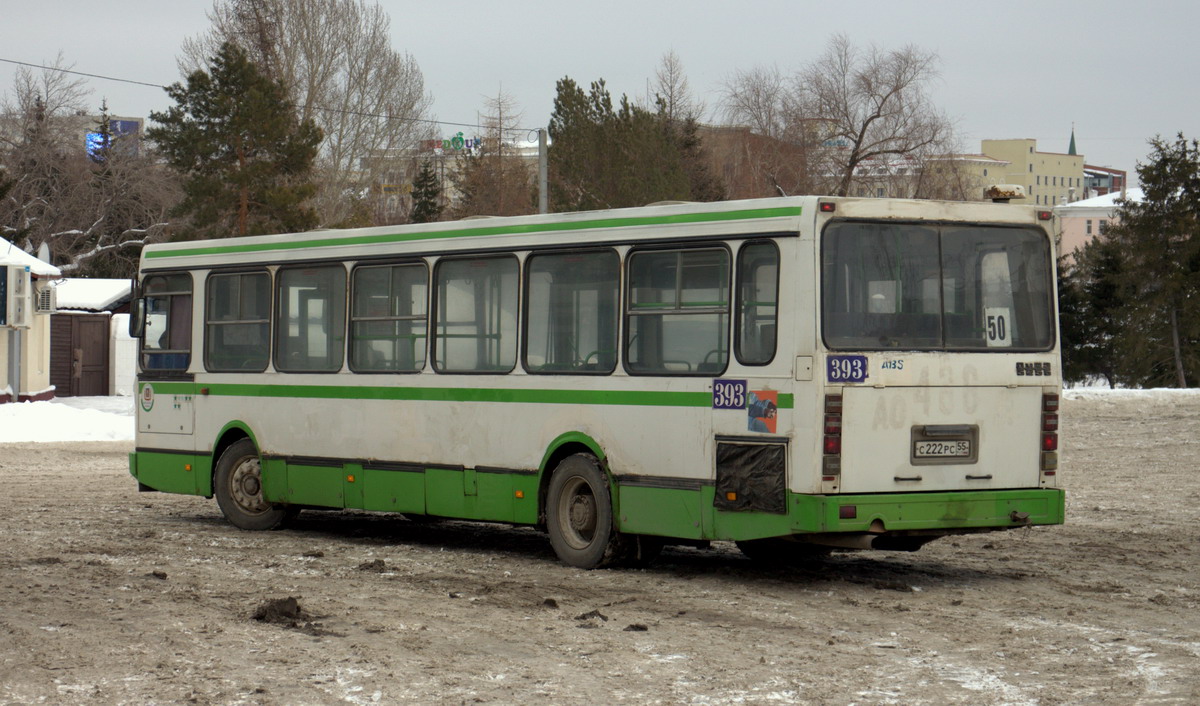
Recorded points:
(238, 487)
(579, 514)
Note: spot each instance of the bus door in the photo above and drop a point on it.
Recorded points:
(165, 405)
(165, 410)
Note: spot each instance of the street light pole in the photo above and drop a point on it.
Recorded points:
(543, 173)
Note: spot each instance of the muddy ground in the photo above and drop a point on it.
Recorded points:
(108, 596)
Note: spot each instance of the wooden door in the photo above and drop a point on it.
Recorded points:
(89, 356)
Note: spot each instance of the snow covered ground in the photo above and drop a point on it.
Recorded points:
(111, 418)
(68, 419)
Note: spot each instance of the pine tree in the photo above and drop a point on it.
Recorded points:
(606, 157)
(427, 195)
(1090, 312)
(1159, 244)
(246, 158)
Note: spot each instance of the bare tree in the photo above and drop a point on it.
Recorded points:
(849, 112)
(495, 179)
(771, 158)
(871, 105)
(36, 136)
(760, 99)
(95, 210)
(674, 94)
(336, 59)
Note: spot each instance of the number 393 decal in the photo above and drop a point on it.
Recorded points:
(846, 368)
(729, 394)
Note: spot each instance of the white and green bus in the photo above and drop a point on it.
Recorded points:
(789, 374)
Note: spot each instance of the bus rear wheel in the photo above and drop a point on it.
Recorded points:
(237, 484)
(579, 515)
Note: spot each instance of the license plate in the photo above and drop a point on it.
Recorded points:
(942, 449)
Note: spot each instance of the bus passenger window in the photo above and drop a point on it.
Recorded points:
(311, 323)
(571, 317)
(476, 316)
(237, 322)
(387, 319)
(758, 301)
(167, 341)
(678, 312)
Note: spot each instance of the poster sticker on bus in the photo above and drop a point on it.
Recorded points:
(762, 409)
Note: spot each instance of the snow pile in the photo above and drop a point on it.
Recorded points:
(1152, 395)
(68, 419)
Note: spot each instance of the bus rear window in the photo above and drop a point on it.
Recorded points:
(921, 287)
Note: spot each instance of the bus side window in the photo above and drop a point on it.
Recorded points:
(476, 315)
(387, 318)
(571, 315)
(758, 302)
(237, 322)
(167, 336)
(678, 312)
(311, 320)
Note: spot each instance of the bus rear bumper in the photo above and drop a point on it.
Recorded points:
(1001, 509)
(890, 514)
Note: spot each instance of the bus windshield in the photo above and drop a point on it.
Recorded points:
(893, 286)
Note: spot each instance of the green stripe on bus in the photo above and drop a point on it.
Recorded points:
(632, 398)
(781, 212)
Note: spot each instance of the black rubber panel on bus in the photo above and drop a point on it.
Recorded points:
(237, 484)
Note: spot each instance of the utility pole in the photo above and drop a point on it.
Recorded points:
(543, 173)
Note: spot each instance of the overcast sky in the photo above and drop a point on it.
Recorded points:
(1122, 72)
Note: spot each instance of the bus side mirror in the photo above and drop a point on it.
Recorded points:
(137, 317)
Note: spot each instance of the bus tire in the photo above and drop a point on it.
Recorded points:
(579, 515)
(237, 484)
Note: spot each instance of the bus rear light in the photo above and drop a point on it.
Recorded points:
(828, 207)
(1049, 462)
(1049, 422)
(1045, 215)
(831, 464)
(833, 445)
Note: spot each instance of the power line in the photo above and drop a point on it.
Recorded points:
(81, 73)
(317, 107)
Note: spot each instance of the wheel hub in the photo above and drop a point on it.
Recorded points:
(245, 486)
(583, 513)
(251, 485)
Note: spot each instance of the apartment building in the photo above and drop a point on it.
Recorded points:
(1049, 178)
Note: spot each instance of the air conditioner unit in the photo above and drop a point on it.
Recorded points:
(47, 300)
(16, 297)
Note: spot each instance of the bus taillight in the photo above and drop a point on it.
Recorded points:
(831, 462)
(1049, 434)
